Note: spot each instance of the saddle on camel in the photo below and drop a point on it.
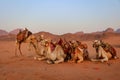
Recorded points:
(66, 48)
(108, 48)
(24, 36)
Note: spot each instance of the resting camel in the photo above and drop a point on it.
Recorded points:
(80, 53)
(25, 36)
(101, 53)
(55, 55)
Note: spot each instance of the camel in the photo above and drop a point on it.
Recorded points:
(101, 54)
(67, 50)
(25, 36)
(53, 56)
(80, 53)
(42, 50)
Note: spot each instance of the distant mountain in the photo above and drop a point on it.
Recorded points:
(109, 30)
(118, 30)
(3, 32)
(79, 33)
(47, 35)
(15, 31)
(68, 36)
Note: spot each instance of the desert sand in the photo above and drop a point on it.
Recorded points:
(26, 68)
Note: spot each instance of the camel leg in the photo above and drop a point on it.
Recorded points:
(50, 61)
(74, 57)
(19, 47)
(80, 59)
(95, 59)
(29, 47)
(42, 58)
(16, 47)
(35, 47)
(59, 61)
(101, 60)
(105, 58)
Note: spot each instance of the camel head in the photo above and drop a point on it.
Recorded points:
(96, 43)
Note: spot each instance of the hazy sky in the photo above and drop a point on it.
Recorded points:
(60, 16)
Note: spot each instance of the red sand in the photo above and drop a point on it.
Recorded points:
(26, 68)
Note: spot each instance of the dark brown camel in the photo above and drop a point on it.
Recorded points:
(25, 36)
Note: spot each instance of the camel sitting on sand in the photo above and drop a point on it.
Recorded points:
(80, 53)
(25, 36)
(103, 53)
(55, 55)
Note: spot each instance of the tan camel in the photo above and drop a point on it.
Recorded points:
(52, 56)
(101, 54)
(25, 36)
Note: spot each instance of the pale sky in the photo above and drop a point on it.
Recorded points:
(60, 16)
